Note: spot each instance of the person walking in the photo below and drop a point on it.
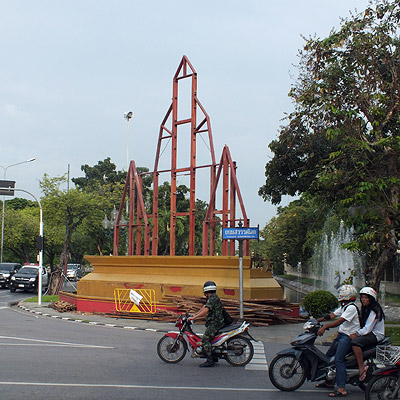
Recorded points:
(214, 321)
(348, 322)
(372, 327)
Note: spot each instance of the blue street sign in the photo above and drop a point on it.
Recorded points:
(239, 233)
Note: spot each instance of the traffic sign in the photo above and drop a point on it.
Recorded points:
(239, 233)
(7, 188)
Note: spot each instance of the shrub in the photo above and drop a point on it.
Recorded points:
(319, 303)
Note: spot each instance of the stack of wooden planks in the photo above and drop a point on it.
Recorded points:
(63, 306)
(259, 312)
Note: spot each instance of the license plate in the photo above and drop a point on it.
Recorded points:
(21, 285)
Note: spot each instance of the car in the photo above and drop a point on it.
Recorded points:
(27, 278)
(74, 272)
(7, 270)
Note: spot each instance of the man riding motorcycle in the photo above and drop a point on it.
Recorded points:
(215, 319)
(348, 322)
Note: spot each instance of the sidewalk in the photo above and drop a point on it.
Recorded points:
(284, 333)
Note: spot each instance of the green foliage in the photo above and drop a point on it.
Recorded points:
(182, 223)
(319, 303)
(72, 217)
(20, 229)
(341, 143)
(291, 232)
(19, 204)
(102, 175)
(394, 333)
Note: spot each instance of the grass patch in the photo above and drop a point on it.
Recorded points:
(394, 333)
(45, 299)
(392, 298)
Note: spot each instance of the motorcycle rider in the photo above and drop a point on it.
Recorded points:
(214, 321)
(372, 331)
(348, 322)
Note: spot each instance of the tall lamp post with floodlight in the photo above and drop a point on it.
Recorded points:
(4, 201)
(127, 116)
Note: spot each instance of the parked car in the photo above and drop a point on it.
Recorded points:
(7, 270)
(74, 272)
(27, 278)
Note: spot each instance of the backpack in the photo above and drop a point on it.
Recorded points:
(358, 311)
(227, 318)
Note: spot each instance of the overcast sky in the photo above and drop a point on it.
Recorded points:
(71, 68)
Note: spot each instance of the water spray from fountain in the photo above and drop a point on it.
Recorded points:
(333, 266)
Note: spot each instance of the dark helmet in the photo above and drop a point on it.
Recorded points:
(209, 286)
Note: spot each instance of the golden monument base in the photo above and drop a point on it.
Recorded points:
(169, 275)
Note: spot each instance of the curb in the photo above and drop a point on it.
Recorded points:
(85, 321)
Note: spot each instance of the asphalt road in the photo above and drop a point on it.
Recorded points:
(47, 358)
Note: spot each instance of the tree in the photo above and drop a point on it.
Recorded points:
(293, 232)
(341, 144)
(20, 229)
(102, 175)
(66, 208)
(103, 180)
(164, 218)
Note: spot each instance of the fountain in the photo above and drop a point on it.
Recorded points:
(332, 265)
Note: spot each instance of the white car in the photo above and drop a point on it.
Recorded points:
(74, 272)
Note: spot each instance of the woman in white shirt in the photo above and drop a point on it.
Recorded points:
(372, 328)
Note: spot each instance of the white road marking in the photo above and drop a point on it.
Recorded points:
(97, 385)
(4, 307)
(259, 361)
(50, 342)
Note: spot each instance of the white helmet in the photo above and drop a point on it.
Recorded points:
(369, 291)
(347, 293)
(209, 286)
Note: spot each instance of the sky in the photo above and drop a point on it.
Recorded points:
(70, 69)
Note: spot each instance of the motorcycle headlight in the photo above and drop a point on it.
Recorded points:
(308, 325)
(13, 278)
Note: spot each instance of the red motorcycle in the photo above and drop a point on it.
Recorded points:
(231, 343)
(385, 384)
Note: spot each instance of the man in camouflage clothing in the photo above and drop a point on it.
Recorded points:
(215, 319)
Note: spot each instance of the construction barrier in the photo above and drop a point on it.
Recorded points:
(135, 300)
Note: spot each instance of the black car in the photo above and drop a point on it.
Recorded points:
(7, 270)
(27, 278)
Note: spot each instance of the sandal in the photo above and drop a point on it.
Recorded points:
(336, 393)
(363, 374)
(325, 385)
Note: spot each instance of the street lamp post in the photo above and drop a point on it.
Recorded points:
(127, 116)
(41, 248)
(4, 201)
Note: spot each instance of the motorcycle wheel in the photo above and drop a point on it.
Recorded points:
(287, 373)
(382, 388)
(171, 352)
(239, 351)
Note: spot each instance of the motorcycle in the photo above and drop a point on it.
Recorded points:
(385, 383)
(231, 343)
(291, 367)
